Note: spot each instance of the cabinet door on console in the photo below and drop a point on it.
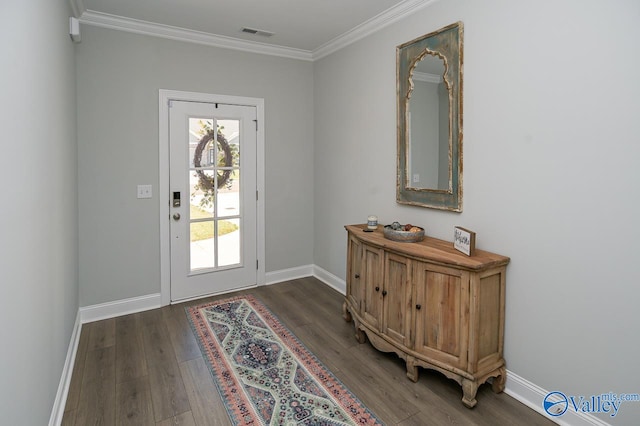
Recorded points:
(372, 264)
(354, 274)
(397, 306)
(442, 313)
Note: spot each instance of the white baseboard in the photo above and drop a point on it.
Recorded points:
(323, 275)
(289, 274)
(532, 396)
(65, 379)
(119, 307)
(517, 387)
(329, 279)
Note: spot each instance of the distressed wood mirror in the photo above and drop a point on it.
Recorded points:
(429, 91)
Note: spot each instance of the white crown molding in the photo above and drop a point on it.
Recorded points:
(369, 27)
(77, 8)
(114, 22)
(105, 20)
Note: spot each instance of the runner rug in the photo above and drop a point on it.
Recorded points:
(264, 374)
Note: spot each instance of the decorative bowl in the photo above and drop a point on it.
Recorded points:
(403, 236)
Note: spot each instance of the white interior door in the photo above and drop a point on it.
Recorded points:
(212, 183)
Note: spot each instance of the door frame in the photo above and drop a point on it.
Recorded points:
(164, 97)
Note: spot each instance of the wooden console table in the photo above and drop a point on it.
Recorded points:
(430, 304)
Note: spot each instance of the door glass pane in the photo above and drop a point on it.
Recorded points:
(202, 149)
(229, 146)
(229, 196)
(214, 185)
(203, 248)
(201, 185)
(229, 242)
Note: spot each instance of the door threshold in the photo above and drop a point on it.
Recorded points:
(204, 296)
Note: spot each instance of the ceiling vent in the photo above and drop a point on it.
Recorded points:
(257, 32)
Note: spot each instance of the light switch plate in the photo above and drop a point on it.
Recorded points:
(144, 191)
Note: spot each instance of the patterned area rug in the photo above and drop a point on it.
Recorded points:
(263, 372)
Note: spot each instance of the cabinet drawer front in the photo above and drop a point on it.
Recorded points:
(442, 320)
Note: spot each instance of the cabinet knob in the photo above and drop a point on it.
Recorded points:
(418, 307)
(384, 292)
(357, 275)
(377, 288)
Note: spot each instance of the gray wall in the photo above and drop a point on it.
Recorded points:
(551, 152)
(38, 226)
(119, 75)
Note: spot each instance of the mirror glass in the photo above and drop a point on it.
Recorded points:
(429, 84)
(428, 135)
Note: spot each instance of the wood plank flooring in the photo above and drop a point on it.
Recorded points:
(147, 369)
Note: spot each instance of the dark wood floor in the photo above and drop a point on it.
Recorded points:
(147, 369)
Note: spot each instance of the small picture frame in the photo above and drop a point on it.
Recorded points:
(464, 240)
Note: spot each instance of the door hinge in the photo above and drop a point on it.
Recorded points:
(256, 121)
(256, 195)
(257, 263)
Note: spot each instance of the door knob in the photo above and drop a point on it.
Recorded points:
(176, 216)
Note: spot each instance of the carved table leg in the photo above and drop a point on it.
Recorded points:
(361, 336)
(412, 369)
(499, 382)
(469, 390)
(345, 312)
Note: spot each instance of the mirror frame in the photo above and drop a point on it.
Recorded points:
(446, 43)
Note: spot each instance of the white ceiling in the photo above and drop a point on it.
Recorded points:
(305, 29)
